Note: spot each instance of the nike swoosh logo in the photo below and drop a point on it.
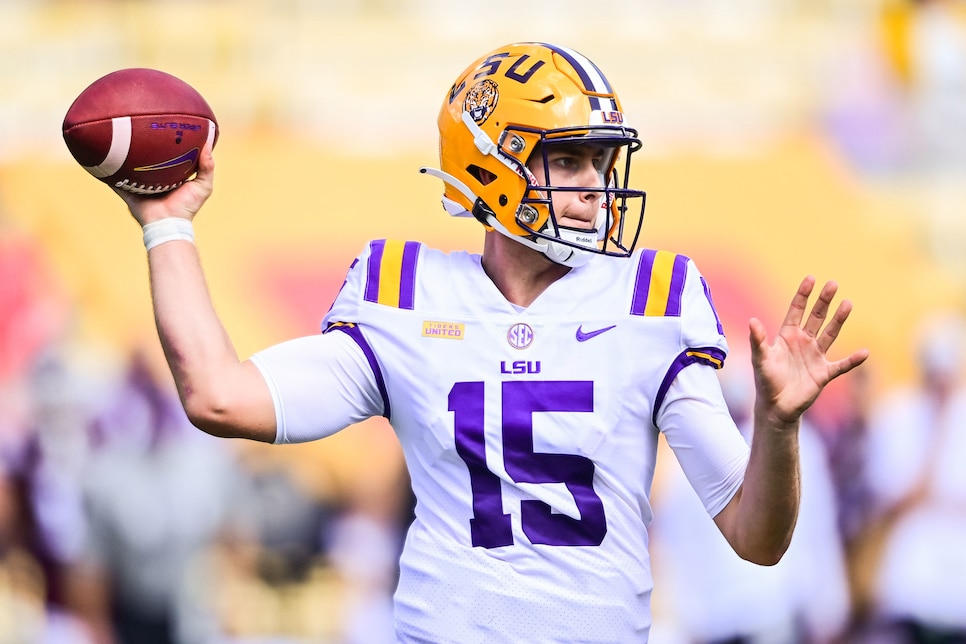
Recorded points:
(583, 336)
(188, 157)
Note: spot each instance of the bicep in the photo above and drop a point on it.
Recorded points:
(238, 405)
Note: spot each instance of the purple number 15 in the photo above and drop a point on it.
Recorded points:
(490, 526)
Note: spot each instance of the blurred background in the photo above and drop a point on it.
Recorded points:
(781, 138)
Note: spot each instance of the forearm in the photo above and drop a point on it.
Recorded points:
(221, 395)
(767, 508)
(198, 350)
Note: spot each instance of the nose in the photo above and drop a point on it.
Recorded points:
(590, 179)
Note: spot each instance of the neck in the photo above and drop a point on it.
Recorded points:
(520, 273)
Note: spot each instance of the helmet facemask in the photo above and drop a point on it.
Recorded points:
(574, 246)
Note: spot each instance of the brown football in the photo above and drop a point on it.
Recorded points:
(140, 130)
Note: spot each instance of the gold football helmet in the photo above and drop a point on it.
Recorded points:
(518, 100)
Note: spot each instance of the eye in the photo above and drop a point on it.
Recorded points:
(574, 159)
(562, 161)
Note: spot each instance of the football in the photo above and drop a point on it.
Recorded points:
(140, 130)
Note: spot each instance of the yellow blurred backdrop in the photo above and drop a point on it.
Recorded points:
(781, 138)
(328, 109)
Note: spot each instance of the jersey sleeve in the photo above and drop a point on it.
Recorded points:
(320, 384)
(705, 439)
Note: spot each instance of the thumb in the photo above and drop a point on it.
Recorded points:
(757, 338)
(206, 161)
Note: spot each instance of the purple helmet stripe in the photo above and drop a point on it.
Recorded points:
(593, 79)
(373, 269)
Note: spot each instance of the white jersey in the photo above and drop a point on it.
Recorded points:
(530, 435)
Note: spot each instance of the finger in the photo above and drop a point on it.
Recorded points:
(206, 164)
(207, 159)
(846, 365)
(757, 338)
(834, 326)
(820, 310)
(796, 310)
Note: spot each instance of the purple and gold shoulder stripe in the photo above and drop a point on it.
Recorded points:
(339, 326)
(391, 273)
(711, 356)
(659, 285)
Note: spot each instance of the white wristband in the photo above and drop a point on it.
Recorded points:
(165, 230)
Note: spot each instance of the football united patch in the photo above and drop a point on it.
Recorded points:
(444, 330)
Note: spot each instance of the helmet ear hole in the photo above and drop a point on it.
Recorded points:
(484, 176)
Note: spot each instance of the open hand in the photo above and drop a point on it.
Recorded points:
(793, 369)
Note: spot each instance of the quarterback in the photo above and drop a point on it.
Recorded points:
(528, 384)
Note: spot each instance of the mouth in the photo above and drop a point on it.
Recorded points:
(575, 223)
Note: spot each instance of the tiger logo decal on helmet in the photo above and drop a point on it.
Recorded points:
(481, 99)
(520, 100)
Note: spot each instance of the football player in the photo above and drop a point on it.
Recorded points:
(527, 385)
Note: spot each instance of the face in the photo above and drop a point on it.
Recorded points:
(572, 165)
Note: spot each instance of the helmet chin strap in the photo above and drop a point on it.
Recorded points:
(554, 251)
(588, 237)
(568, 255)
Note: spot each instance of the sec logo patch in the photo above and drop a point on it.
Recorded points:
(520, 336)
